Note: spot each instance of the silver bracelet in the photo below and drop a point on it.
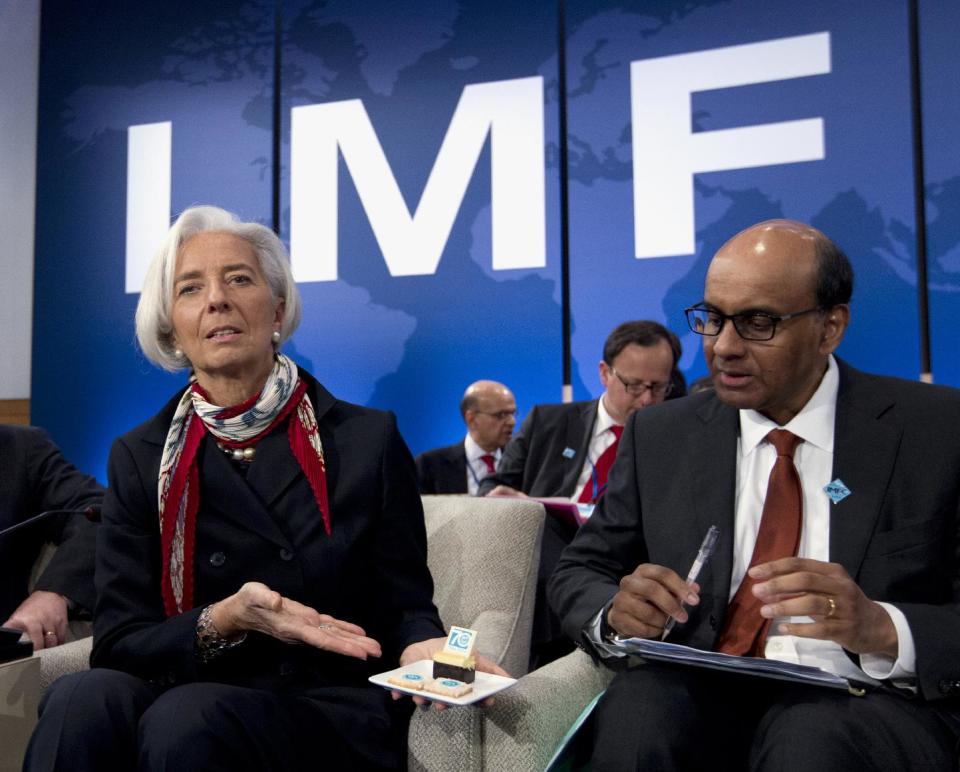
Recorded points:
(210, 643)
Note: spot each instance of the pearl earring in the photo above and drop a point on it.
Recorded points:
(177, 354)
(275, 337)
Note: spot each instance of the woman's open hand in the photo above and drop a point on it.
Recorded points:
(256, 607)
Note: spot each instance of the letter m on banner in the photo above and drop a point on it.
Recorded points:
(511, 111)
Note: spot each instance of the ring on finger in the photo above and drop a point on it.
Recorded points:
(325, 625)
(50, 632)
(832, 608)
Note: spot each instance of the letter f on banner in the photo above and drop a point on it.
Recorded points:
(511, 111)
(667, 152)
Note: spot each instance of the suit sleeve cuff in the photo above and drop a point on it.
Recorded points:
(596, 631)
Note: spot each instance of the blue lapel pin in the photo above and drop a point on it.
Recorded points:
(837, 491)
(568, 453)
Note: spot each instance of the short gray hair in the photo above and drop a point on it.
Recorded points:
(154, 327)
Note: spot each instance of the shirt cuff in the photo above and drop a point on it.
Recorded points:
(884, 668)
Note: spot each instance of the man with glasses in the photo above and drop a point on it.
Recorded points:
(490, 412)
(567, 450)
(559, 450)
(836, 495)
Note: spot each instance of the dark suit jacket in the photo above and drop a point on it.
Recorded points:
(266, 527)
(34, 478)
(535, 461)
(896, 447)
(443, 470)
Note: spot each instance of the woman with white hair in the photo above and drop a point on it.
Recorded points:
(262, 550)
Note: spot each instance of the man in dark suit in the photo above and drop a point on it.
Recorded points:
(868, 587)
(567, 450)
(36, 478)
(558, 447)
(490, 412)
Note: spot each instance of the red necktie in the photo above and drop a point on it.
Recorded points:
(489, 461)
(745, 631)
(597, 483)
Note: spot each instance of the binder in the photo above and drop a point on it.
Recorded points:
(569, 511)
(661, 651)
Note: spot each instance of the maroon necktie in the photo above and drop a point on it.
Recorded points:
(597, 483)
(745, 631)
(489, 461)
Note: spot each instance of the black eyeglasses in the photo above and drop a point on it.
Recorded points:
(500, 415)
(638, 388)
(750, 325)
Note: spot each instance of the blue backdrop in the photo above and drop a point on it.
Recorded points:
(412, 343)
(940, 90)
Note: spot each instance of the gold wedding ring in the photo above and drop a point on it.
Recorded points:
(833, 608)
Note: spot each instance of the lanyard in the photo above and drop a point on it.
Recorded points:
(596, 488)
(473, 473)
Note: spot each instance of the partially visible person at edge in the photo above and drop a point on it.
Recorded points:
(262, 550)
(36, 478)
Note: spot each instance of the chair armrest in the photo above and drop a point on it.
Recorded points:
(69, 658)
(527, 722)
(446, 739)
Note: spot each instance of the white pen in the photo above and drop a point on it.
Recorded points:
(703, 555)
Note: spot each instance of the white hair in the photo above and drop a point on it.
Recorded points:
(154, 328)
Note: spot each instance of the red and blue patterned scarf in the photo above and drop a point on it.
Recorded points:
(239, 426)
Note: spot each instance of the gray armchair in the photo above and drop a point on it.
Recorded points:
(484, 555)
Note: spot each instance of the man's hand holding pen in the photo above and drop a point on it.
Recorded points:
(647, 598)
(657, 589)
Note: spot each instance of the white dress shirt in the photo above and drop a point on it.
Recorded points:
(601, 439)
(814, 462)
(476, 467)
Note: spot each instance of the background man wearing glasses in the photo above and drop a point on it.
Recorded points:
(567, 450)
(559, 448)
(490, 413)
(836, 495)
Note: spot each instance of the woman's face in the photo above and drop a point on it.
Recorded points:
(224, 312)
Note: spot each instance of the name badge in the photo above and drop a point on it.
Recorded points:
(836, 490)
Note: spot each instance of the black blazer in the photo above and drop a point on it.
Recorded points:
(34, 478)
(443, 470)
(266, 526)
(896, 447)
(546, 456)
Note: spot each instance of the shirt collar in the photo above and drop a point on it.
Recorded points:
(474, 451)
(814, 423)
(604, 419)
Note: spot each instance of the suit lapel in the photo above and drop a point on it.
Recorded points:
(273, 471)
(714, 485)
(579, 433)
(225, 491)
(859, 425)
(276, 468)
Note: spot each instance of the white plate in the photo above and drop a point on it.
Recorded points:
(483, 685)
